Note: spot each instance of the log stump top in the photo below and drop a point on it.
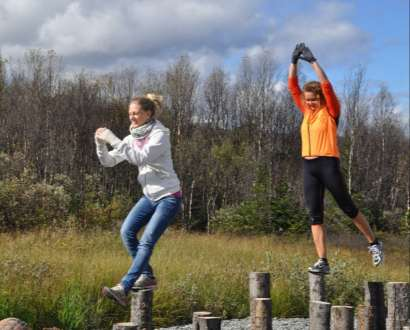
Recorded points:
(13, 323)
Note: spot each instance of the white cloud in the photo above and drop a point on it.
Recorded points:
(325, 28)
(280, 86)
(75, 32)
(206, 61)
(402, 110)
(398, 109)
(110, 31)
(21, 19)
(101, 34)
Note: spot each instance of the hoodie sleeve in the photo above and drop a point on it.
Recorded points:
(157, 145)
(108, 158)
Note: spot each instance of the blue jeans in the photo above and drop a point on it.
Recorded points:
(156, 216)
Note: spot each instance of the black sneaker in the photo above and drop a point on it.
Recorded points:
(116, 293)
(320, 267)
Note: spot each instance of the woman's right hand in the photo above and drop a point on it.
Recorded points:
(98, 133)
(104, 135)
(297, 52)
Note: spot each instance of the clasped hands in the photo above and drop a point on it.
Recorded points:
(303, 52)
(105, 135)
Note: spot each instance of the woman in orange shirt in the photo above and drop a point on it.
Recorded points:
(321, 168)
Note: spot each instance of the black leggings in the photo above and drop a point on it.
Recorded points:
(321, 173)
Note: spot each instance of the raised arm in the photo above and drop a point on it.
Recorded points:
(293, 71)
(293, 84)
(332, 102)
(320, 73)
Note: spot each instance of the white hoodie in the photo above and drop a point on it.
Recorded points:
(152, 155)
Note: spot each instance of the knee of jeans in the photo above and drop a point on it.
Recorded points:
(316, 219)
(147, 242)
(126, 233)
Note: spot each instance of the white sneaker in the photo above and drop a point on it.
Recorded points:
(116, 293)
(320, 267)
(376, 250)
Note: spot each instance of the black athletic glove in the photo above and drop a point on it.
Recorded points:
(307, 55)
(297, 52)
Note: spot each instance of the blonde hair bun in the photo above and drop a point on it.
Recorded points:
(158, 101)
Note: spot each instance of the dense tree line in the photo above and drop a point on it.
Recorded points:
(236, 144)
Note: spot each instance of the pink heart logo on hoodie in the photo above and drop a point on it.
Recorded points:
(140, 143)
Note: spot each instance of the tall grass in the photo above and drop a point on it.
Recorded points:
(53, 278)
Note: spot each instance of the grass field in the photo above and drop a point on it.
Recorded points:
(53, 278)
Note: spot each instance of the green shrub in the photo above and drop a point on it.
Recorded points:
(105, 216)
(286, 213)
(405, 223)
(25, 204)
(263, 215)
(246, 218)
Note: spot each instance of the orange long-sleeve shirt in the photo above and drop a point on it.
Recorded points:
(319, 129)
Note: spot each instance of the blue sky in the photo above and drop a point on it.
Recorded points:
(102, 35)
(384, 28)
(387, 22)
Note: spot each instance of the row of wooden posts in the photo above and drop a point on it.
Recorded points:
(372, 315)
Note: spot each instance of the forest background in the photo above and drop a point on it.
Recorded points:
(235, 145)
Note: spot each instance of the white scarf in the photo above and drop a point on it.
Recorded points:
(142, 131)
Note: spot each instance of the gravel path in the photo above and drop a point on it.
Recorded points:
(244, 324)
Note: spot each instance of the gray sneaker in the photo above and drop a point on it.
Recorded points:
(116, 293)
(320, 267)
(376, 250)
(144, 282)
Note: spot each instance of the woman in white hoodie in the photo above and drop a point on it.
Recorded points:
(148, 147)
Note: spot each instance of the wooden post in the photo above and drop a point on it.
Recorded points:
(141, 308)
(263, 314)
(366, 318)
(195, 315)
(259, 287)
(319, 315)
(341, 318)
(374, 296)
(392, 324)
(125, 326)
(397, 305)
(209, 323)
(13, 323)
(317, 287)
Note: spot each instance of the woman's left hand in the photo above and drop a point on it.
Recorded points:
(307, 55)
